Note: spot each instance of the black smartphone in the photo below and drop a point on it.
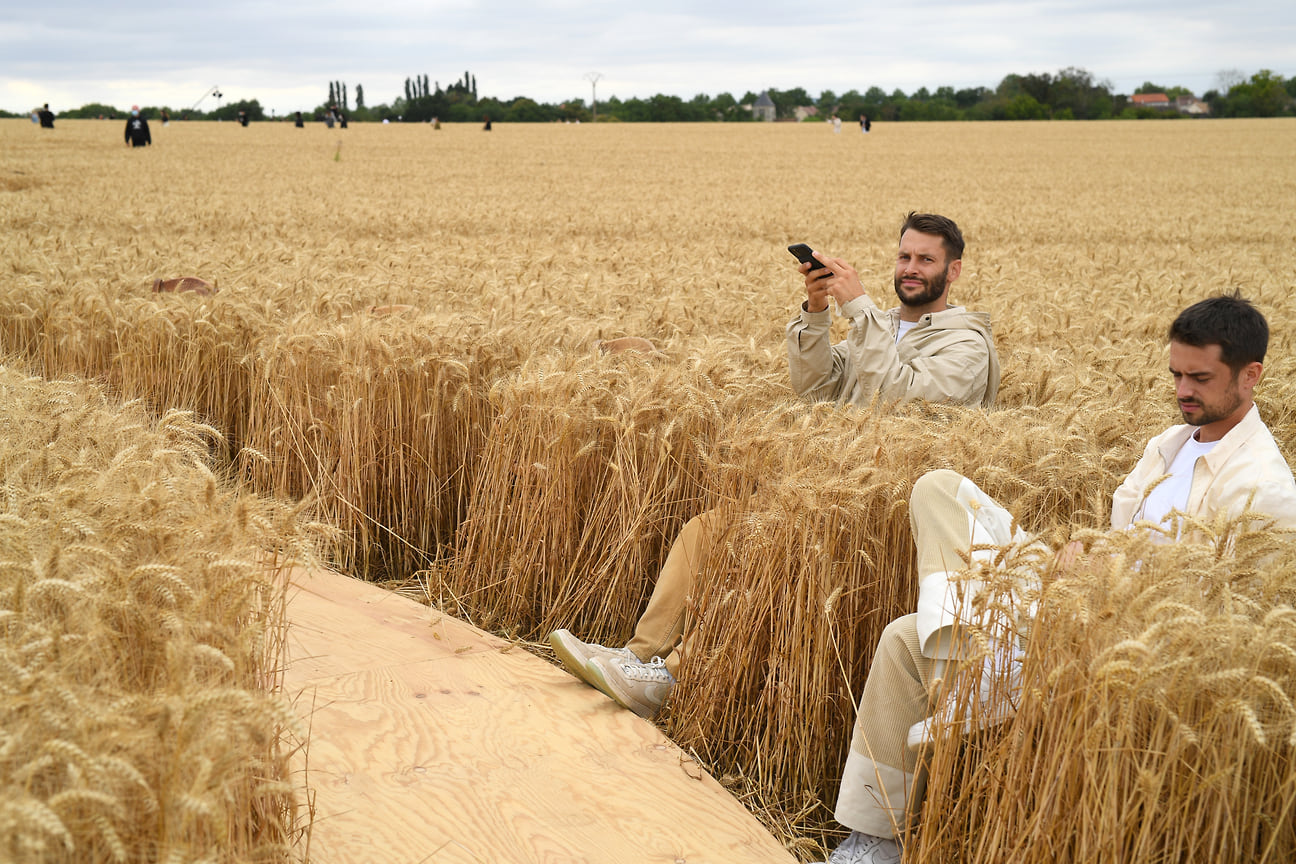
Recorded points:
(804, 254)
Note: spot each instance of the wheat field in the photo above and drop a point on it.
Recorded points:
(403, 341)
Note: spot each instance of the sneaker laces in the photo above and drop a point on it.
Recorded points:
(654, 670)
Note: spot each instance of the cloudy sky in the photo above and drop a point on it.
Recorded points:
(284, 53)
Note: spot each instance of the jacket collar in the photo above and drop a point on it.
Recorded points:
(930, 317)
(1232, 441)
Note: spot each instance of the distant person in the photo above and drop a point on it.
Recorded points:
(137, 129)
(342, 119)
(299, 122)
(487, 126)
(243, 118)
(166, 117)
(329, 118)
(35, 116)
(865, 124)
(436, 122)
(836, 124)
(46, 117)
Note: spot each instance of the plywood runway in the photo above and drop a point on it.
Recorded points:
(431, 741)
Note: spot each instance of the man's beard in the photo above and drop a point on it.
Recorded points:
(1211, 413)
(931, 290)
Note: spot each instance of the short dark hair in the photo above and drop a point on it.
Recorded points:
(942, 227)
(1229, 321)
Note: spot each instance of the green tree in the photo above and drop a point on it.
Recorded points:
(725, 107)
(1263, 96)
(360, 97)
(524, 110)
(1172, 92)
(1075, 90)
(970, 96)
(666, 109)
(93, 110)
(787, 101)
(231, 111)
(1024, 106)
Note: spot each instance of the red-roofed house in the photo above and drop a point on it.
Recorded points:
(1150, 100)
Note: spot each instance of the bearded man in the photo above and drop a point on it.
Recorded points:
(925, 349)
(922, 349)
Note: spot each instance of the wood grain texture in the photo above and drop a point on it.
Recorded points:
(433, 741)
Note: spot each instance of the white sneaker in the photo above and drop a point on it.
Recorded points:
(575, 654)
(997, 700)
(861, 848)
(641, 687)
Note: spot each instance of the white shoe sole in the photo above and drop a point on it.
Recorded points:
(572, 661)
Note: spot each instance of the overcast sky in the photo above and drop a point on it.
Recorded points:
(284, 53)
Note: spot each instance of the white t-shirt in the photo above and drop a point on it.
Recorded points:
(905, 327)
(1172, 492)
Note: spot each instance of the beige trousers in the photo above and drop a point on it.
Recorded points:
(663, 627)
(949, 516)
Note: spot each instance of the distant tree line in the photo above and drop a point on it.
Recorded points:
(1070, 94)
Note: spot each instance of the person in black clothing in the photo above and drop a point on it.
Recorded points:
(300, 124)
(46, 117)
(243, 118)
(137, 131)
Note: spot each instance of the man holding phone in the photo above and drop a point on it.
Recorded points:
(922, 349)
(925, 349)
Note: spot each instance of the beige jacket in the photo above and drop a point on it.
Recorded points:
(1244, 468)
(948, 357)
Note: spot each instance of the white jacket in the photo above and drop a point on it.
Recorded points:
(1244, 468)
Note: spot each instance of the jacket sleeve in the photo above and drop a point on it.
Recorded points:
(820, 370)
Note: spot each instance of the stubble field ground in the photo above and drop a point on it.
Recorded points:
(476, 445)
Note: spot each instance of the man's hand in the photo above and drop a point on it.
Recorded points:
(842, 283)
(1064, 560)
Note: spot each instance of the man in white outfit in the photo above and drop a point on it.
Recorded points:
(1221, 460)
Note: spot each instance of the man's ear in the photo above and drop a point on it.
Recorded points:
(955, 268)
(1251, 373)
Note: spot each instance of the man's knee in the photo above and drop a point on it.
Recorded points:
(900, 636)
(935, 482)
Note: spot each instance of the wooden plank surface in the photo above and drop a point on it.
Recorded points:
(433, 741)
